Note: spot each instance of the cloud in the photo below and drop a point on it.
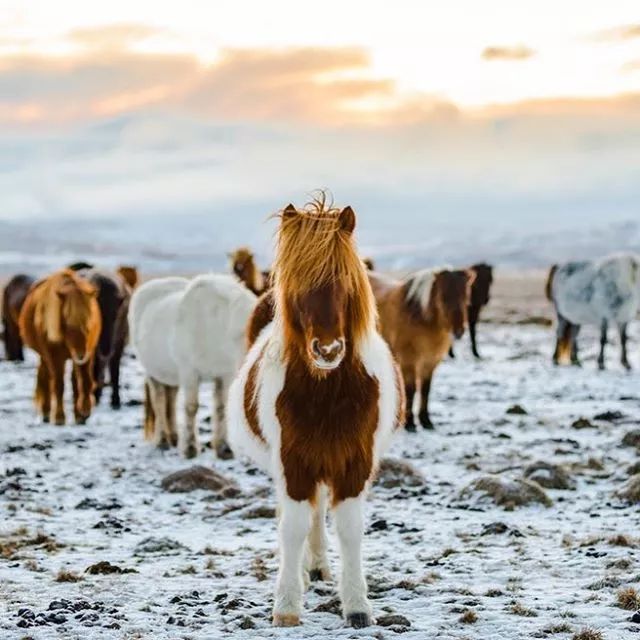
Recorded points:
(617, 34)
(303, 84)
(113, 37)
(517, 52)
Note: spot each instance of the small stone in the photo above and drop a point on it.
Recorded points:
(516, 410)
(609, 416)
(583, 423)
(631, 439)
(393, 620)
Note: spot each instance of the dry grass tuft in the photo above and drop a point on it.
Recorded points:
(588, 634)
(554, 629)
(628, 599)
(518, 609)
(622, 540)
(468, 617)
(68, 576)
(631, 490)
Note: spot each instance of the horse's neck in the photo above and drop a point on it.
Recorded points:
(255, 279)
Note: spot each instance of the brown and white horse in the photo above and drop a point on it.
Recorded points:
(418, 315)
(316, 401)
(244, 267)
(60, 320)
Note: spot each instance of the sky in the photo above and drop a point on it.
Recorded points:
(470, 111)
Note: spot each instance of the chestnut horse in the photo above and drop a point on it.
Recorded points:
(418, 315)
(480, 295)
(13, 297)
(129, 275)
(60, 320)
(316, 401)
(244, 267)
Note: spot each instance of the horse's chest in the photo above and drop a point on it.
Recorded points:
(327, 434)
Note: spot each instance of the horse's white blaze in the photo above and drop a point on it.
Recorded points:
(189, 332)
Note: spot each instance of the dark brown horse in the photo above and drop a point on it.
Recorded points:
(480, 295)
(244, 267)
(113, 297)
(13, 298)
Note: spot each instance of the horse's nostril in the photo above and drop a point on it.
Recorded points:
(315, 347)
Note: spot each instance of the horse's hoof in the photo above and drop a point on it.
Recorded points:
(410, 427)
(285, 620)
(426, 423)
(358, 620)
(320, 575)
(627, 366)
(223, 451)
(116, 405)
(45, 419)
(60, 421)
(190, 452)
(80, 420)
(600, 366)
(163, 445)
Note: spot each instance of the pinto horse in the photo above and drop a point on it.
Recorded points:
(596, 292)
(60, 320)
(13, 297)
(418, 316)
(244, 267)
(316, 401)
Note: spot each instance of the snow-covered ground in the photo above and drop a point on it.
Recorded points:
(205, 566)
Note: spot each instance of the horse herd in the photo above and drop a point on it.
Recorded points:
(313, 365)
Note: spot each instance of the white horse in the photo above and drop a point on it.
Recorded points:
(184, 333)
(316, 402)
(597, 293)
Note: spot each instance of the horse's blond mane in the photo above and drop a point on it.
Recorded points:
(314, 250)
(50, 310)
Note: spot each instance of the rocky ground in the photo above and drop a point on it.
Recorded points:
(516, 518)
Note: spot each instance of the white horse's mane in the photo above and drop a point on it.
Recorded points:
(419, 285)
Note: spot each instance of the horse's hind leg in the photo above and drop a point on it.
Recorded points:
(574, 330)
(219, 429)
(318, 561)
(474, 314)
(172, 393)
(623, 346)
(158, 397)
(410, 392)
(353, 588)
(425, 388)
(561, 337)
(603, 343)
(56, 384)
(149, 413)
(190, 445)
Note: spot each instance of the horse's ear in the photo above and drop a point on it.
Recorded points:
(347, 219)
(289, 211)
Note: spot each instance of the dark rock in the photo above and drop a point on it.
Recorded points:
(91, 503)
(394, 473)
(505, 493)
(199, 477)
(330, 606)
(516, 410)
(162, 546)
(105, 568)
(583, 423)
(609, 416)
(379, 525)
(393, 620)
(635, 617)
(549, 476)
(631, 438)
(499, 528)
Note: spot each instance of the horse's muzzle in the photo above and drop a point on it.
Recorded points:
(327, 356)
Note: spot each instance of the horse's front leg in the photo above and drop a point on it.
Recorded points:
(295, 522)
(219, 429)
(157, 414)
(190, 446)
(410, 391)
(603, 343)
(56, 385)
(43, 391)
(425, 388)
(83, 390)
(349, 519)
(319, 563)
(623, 346)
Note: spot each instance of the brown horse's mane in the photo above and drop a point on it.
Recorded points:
(417, 288)
(314, 250)
(62, 294)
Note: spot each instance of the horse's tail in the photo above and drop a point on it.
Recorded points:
(549, 283)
